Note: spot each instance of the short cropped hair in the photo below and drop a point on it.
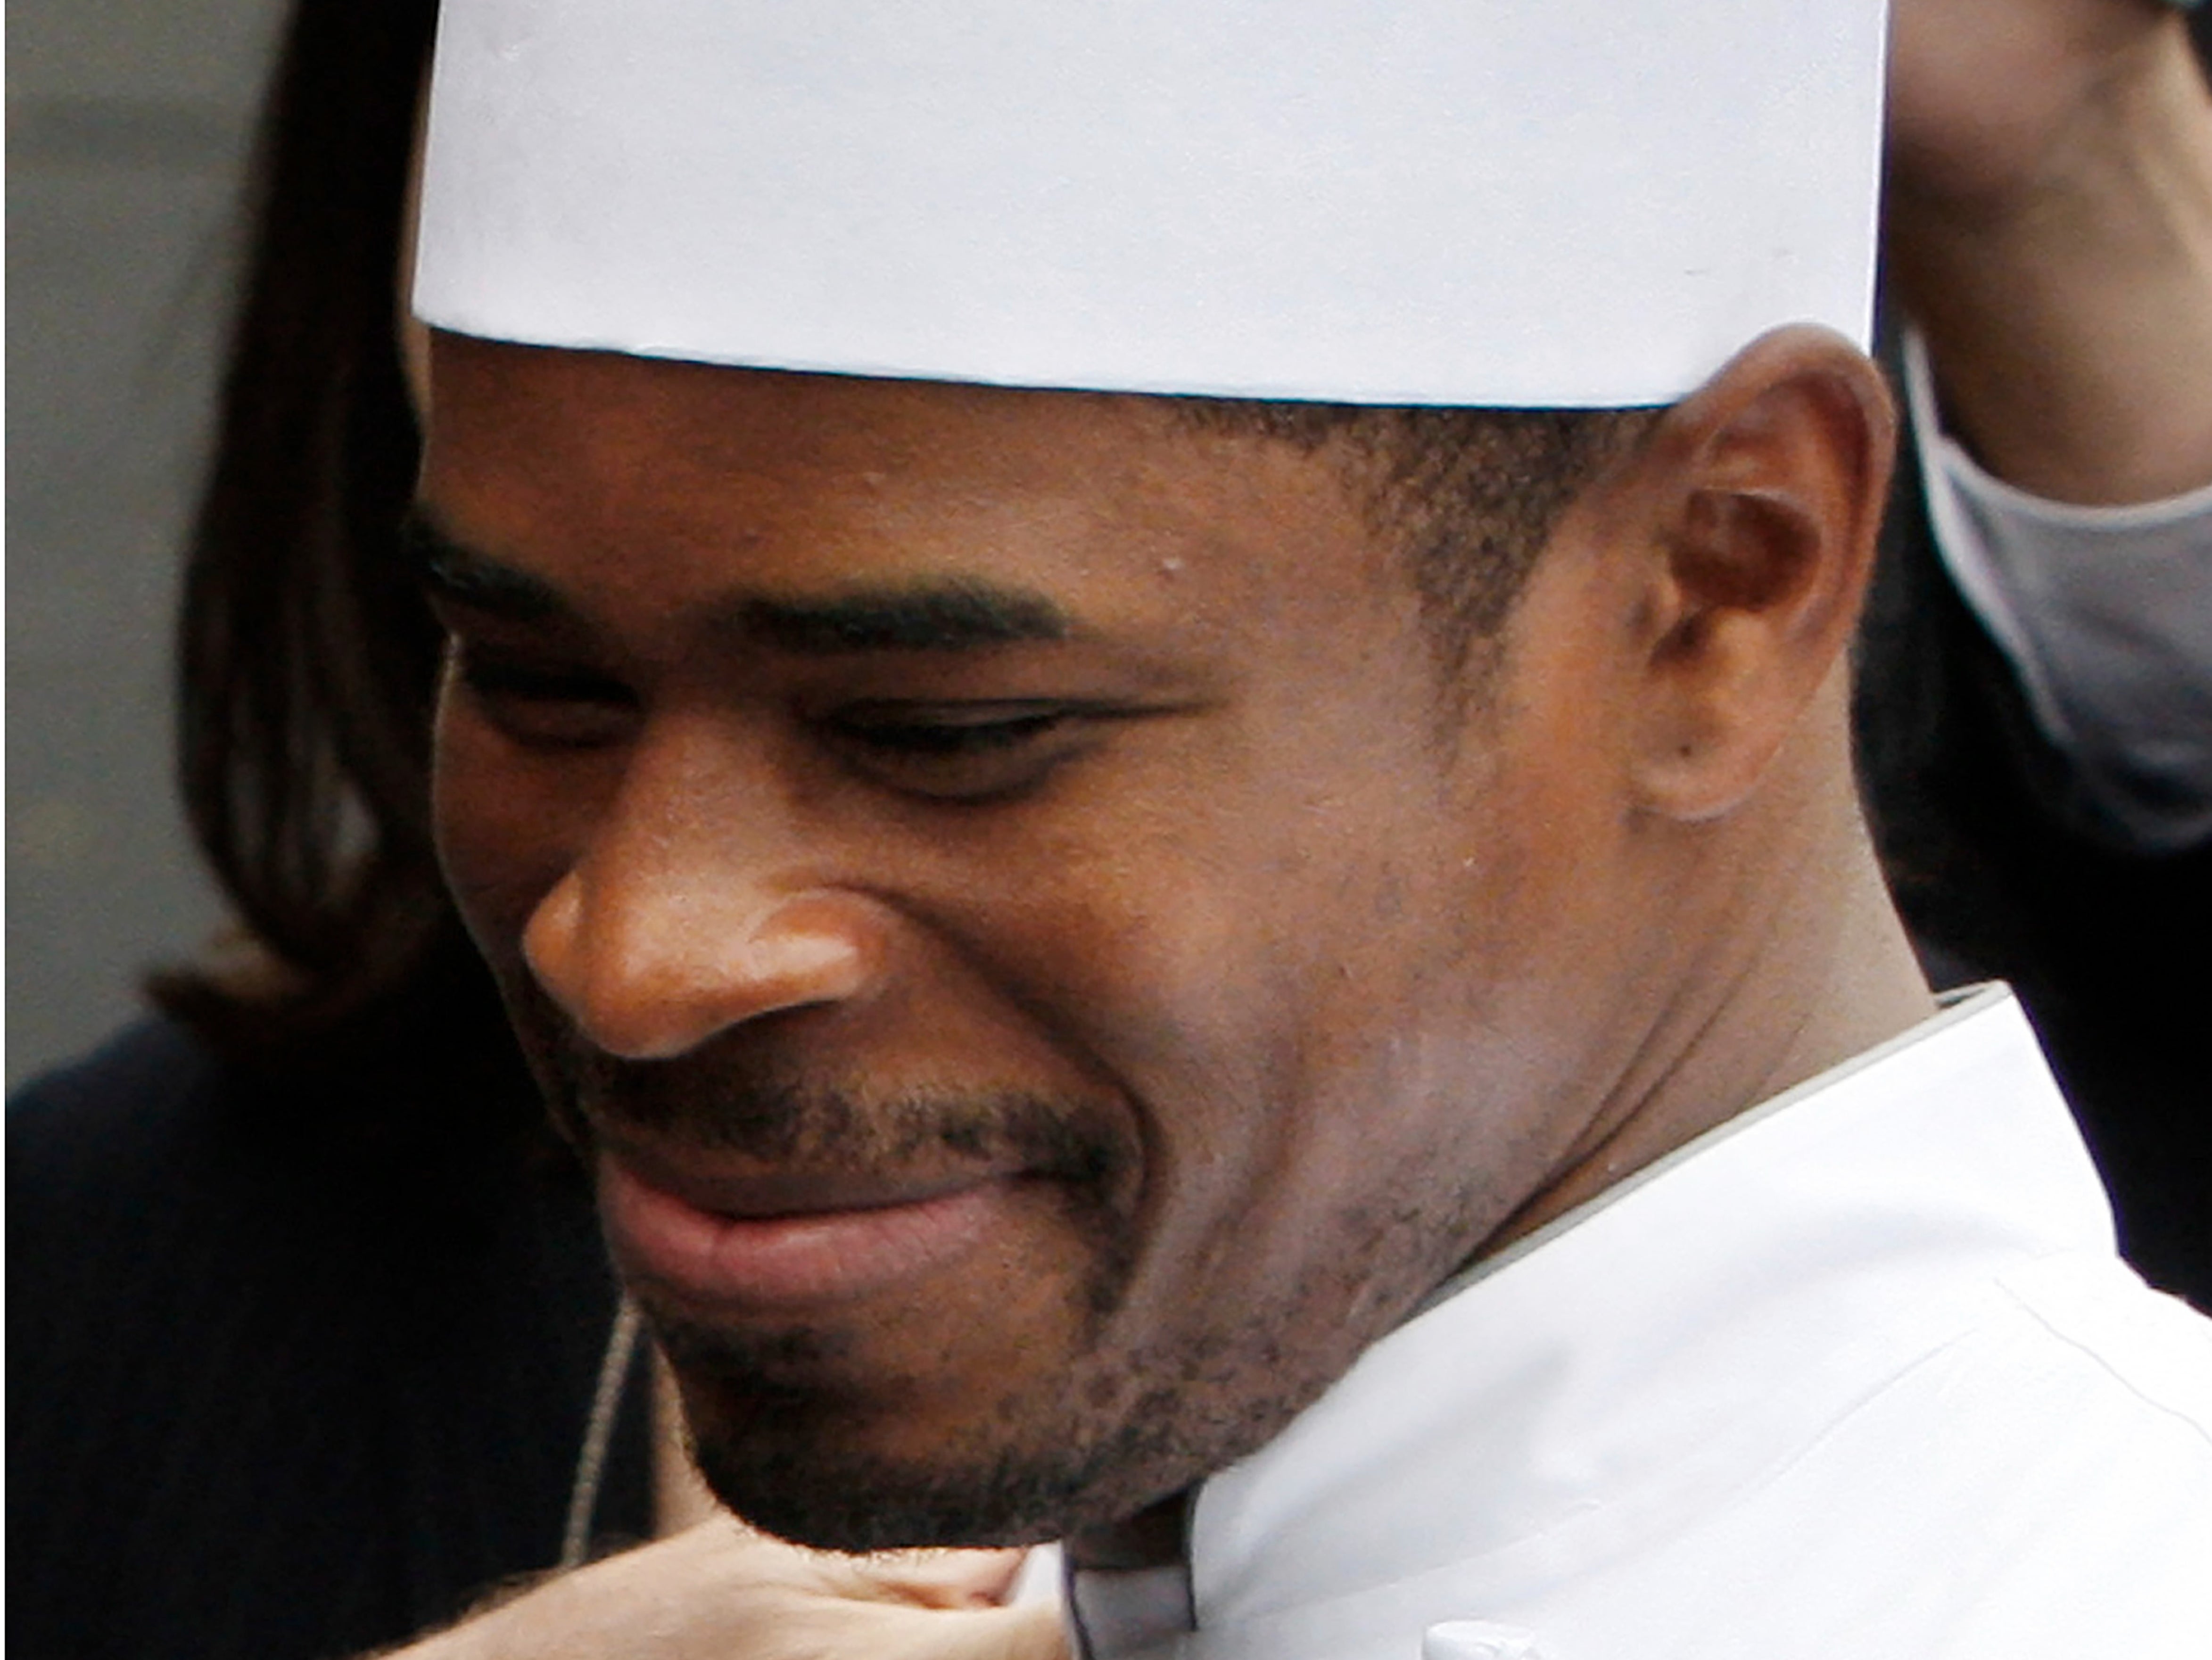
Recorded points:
(1471, 496)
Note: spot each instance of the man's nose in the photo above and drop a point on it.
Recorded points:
(677, 925)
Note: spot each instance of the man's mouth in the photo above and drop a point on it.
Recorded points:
(721, 1234)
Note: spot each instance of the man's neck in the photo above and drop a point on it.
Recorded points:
(1813, 967)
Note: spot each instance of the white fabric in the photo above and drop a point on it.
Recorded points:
(1040, 1577)
(2105, 614)
(1518, 202)
(1857, 1375)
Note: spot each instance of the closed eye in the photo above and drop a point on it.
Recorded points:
(535, 703)
(964, 751)
(968, 732)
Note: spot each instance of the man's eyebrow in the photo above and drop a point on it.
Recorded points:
(454, 571)
(951, 613)
(942, 614)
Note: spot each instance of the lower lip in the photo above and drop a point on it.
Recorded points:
(787, 1261)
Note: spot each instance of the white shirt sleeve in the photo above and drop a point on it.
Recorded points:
(2106, 613)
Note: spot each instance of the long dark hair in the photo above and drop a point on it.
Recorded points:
(306, 661)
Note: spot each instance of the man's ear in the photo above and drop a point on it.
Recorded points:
(1764, 491)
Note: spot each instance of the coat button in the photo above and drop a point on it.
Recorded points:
(1479, 1639)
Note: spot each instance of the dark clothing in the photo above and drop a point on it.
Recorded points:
(276, 1391)
(2003, 873)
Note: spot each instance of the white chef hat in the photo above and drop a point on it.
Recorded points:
(1548, 202)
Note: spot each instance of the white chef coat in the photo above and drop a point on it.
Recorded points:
(1858, 1373)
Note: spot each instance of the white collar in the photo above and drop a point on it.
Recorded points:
(1664, 1344)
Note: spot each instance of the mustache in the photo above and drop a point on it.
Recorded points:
(786, 1120)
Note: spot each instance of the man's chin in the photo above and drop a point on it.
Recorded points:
(792, 1470)
(809, 1433)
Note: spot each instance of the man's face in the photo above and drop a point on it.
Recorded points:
(990, 878)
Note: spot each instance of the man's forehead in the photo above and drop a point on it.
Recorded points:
(495, 389)
(820, 515)
(597, 426)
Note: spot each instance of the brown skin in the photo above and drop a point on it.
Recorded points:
(2049, 226)
(1331, 999)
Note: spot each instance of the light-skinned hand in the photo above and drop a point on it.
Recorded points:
(719, 1591)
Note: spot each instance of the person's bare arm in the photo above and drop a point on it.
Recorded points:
(719, 1592)
(2050, 231)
